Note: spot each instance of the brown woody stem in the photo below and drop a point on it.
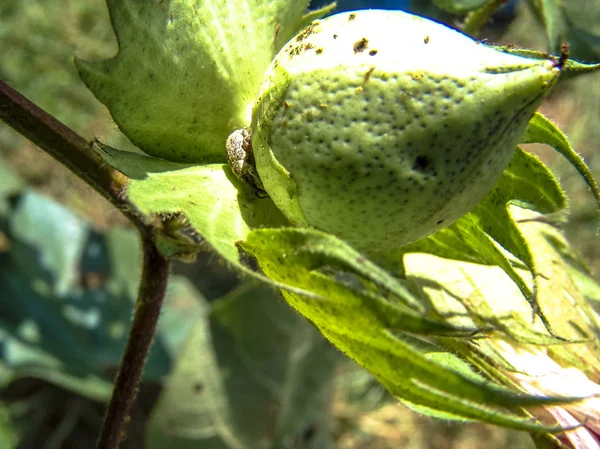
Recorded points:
(75, 153)
(147, 310)
(64, 145)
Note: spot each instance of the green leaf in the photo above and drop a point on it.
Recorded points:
(561, 299)
(176, 197)
(253, 374)
(371, 329)
(465, 240)
(585, 282)
(542, 130)
(484, 294)
(528, 183)
(459, 6)
(187, 72)
(216, 209)
(476, 236)
(570, 68)
(324, 265)
(311, 16)
(68, 295)
(25, 361)
(359, 307)
(69, 303)
(464, 289)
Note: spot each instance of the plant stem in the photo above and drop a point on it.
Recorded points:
(64, 145)
(74, 152)
(478, 18)
(153, 285)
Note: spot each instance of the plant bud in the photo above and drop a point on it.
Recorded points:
(382, 127)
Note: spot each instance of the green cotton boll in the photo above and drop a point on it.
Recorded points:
(382, 127)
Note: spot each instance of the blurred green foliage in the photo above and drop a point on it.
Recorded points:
(39, 40)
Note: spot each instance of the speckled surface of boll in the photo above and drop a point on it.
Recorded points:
(382, 127)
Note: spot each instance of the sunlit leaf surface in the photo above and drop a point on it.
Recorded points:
(188, 71)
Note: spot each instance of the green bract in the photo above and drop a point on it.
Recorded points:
(382, 127)
(187, 71)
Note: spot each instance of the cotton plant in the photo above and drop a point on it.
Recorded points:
(367, 165)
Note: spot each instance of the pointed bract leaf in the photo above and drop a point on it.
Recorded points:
(542, 130)
(187, 71)
(370, 329)
(309, 17)
(570, 68)
(557, 287)
(215, 209)
(482, 293)
(475, 237)
(459, 6)
(306, 264)
(465, 240)
(529, 183)
(475, 295)
(197, 208)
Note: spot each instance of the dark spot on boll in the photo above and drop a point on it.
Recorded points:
(361, 45)
(422, 163)
(295, 51)
(306, 32)
(440, 222)
(351, 17)
(372, 52)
